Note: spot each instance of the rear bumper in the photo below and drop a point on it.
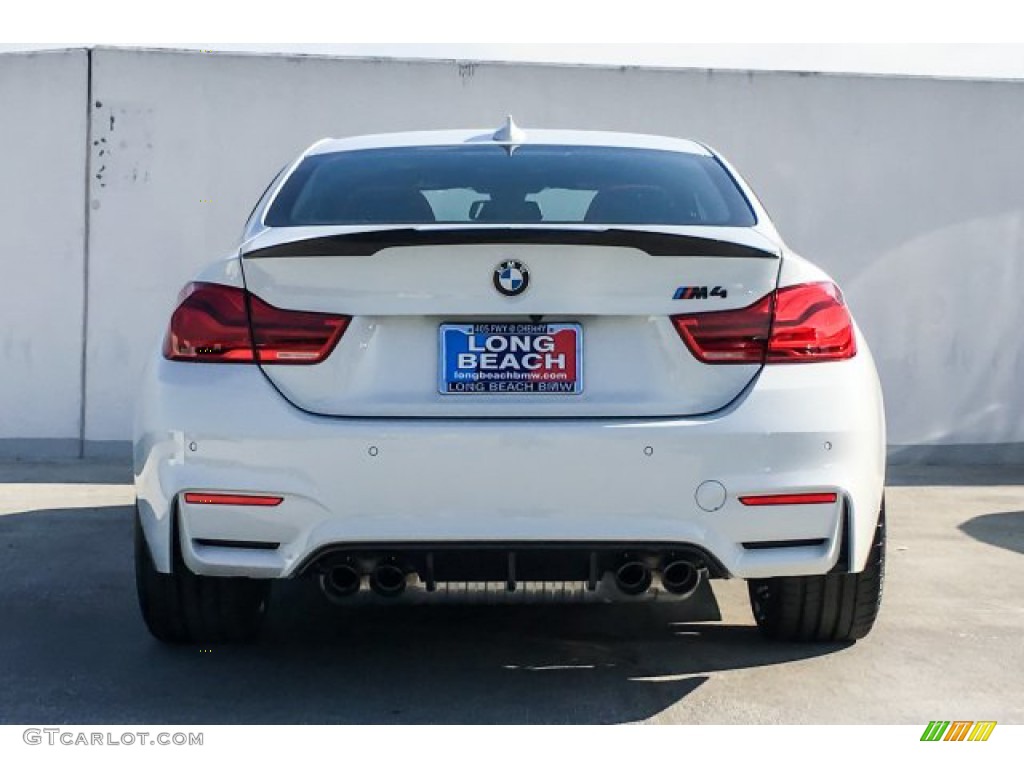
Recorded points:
(396, 482)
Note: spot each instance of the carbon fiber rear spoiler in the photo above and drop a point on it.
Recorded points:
(369, 243)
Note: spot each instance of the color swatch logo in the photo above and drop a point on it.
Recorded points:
(958, 730)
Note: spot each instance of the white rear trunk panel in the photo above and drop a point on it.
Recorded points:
(633, 361)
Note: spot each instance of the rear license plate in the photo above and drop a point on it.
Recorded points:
(511, 358)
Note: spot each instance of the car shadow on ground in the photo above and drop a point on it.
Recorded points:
(73, 649)
(1001, 529)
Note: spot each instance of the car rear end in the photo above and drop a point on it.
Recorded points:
(441, 359)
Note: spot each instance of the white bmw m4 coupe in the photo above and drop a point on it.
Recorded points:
(510, 357)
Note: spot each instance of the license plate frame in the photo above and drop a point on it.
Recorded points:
(525, 375)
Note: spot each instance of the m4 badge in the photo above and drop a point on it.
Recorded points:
(700, 292)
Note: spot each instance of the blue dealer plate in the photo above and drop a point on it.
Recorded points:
(511, 358)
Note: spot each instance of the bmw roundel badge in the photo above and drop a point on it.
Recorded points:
(511, 277)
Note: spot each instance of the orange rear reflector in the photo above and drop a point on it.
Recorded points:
(778, 499)
(236, 499)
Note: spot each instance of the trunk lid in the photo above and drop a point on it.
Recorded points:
(620, 286)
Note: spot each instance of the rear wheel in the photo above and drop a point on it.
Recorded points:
(181, 607)
(835, 607)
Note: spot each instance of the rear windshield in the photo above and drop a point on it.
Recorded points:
(486, 184)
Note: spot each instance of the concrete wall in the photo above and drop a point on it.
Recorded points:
(907, 190)
(42, 236)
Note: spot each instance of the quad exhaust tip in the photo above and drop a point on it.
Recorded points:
(388, 580)
(340, 581)
(633, 577)
(681, 577)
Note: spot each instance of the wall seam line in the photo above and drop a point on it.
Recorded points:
(85, 254)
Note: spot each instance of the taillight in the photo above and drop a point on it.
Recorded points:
(799, 324)
(732, 336)
(210, 324)
(222, 324)
(811, 324)
(288, 336)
